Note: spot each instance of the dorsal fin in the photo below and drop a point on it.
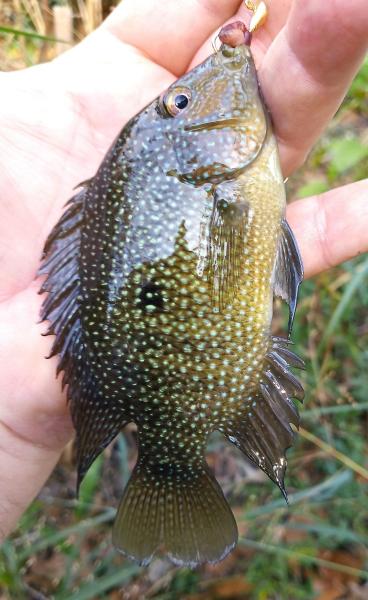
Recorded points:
(60, 264)
(289, 272)
(91, 412)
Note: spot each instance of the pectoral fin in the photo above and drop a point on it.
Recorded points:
(288, 270)
(226, 238)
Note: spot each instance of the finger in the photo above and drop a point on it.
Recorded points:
(169, 32)
(308, 68)
(32, 404)
(331, 227)
(34, 417)
(24, 468)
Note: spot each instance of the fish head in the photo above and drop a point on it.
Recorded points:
(213, 118)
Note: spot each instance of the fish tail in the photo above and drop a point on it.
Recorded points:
(187, 515)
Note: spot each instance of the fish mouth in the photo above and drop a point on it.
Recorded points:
(217, 124)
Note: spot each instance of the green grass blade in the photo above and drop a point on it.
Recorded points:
(89, 487)
(97, 587)
(346, 297)
(55, 538)
(334, 410)
(30, 34)
(326, 489)
(339, 533)
(304, 558)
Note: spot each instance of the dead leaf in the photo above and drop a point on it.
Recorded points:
(233, 588)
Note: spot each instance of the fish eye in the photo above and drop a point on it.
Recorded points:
(176, 100)
(181, 101)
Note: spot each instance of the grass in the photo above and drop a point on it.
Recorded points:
(28, 34)
(62, 547)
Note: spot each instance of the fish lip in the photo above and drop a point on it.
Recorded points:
(216, 124)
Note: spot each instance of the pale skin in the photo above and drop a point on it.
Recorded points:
(57, 121)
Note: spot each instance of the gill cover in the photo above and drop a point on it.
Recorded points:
(223, 125)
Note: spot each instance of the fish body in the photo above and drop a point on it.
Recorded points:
(161, 276)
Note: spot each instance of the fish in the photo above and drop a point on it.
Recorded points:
(160, 279)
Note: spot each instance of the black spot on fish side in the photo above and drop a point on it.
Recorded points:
(151, 298)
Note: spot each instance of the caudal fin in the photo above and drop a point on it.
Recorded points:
(189, 519)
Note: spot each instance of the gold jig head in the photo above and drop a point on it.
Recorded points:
(260, 12)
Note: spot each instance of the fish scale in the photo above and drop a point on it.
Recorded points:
(160, 278)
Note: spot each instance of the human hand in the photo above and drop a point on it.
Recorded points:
(57, 121)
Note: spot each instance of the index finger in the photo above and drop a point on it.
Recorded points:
(169, 32)
(308, 69)
(332, 227)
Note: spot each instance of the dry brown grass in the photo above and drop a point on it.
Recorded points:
(69, 21)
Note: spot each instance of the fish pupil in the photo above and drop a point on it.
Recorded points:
(181, 101)
(151, 297)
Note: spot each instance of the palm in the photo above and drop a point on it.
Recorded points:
(54, 159)
(58, 121)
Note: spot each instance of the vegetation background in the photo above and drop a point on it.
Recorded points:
(315, 549)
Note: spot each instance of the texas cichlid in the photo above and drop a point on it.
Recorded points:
(160, 277)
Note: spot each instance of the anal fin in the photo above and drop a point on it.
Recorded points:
(263, 431)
